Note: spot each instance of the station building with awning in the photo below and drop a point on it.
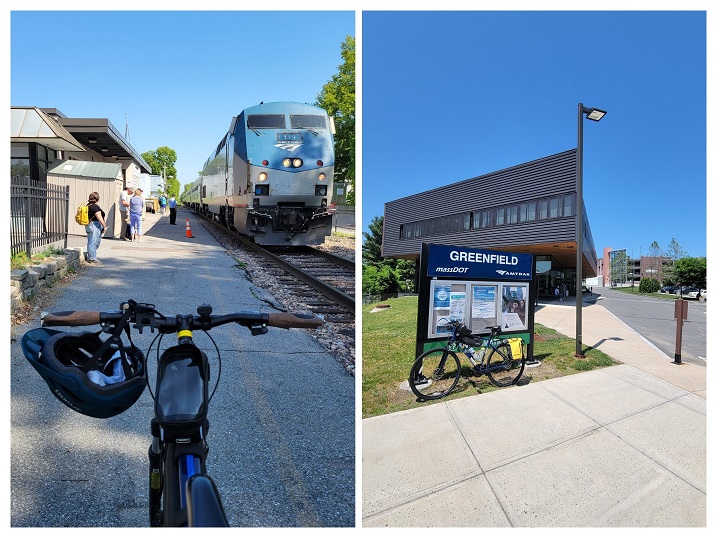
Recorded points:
(81, 154)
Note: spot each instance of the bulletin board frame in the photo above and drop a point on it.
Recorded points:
(480, 287)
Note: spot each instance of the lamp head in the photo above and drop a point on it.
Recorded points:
(594, 114)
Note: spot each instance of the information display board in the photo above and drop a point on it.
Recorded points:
(482, 288)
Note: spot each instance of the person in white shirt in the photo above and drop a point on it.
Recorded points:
(124, 215)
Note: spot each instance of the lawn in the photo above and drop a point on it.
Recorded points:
(389, 344)
(634, 290)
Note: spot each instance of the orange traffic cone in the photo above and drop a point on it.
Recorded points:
(189, 230)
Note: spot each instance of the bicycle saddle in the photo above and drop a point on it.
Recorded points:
(204, 507)
(495, 329)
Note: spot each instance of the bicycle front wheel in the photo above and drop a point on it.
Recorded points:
(434, 374)
(503, 369)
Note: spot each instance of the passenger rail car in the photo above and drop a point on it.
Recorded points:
(271, 175)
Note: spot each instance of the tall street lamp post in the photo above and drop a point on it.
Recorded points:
(594, 114)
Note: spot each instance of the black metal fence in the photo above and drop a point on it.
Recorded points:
(38, 215)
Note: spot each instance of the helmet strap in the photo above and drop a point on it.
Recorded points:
(115, 340)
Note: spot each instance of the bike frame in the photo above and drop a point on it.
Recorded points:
(488, 343)
(175, 460)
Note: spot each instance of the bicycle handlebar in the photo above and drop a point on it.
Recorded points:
(76, 318)
(203, 321)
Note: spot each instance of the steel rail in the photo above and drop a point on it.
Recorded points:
(343, 300)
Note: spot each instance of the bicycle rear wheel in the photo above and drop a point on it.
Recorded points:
(503, 369)
(434, 374)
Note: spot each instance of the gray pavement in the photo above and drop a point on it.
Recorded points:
(282, 436)
(623, 446)
(654, 318)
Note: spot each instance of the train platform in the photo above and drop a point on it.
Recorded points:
(282, 436)
(623, 446)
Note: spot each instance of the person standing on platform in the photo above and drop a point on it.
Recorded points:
(125, 233)
(95, 228)
(136, 209)
(172, 210)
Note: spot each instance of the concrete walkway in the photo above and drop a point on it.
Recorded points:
(623, 446)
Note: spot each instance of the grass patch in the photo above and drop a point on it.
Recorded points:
(636, 291)
(389, 346)
(339, 233)
(20, 260)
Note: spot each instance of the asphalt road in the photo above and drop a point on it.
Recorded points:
(654, 319)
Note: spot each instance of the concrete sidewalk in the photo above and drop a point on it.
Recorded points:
(623, 446)
(603, 331)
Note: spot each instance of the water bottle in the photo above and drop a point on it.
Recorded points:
(481, 355)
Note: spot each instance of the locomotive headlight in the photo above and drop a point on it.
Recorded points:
(263, 176)
(297, 163)
(286, 163)
(322, 176)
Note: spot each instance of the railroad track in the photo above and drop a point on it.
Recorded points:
(306, 271)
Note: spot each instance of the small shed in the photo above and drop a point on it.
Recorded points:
(84, 177)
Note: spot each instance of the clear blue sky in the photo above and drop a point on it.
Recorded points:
(452, 95)
(177, 78)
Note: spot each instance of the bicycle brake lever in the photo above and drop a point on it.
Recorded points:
(256, 330)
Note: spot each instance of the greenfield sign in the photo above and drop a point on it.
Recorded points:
(473, 263)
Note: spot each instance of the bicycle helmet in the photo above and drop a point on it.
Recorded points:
(64, 360)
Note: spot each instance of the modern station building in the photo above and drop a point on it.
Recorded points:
(528, 208)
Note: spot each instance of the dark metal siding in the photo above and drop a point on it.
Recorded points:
(544, 177)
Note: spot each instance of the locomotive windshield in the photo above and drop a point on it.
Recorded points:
(307, 121)
(266, 121)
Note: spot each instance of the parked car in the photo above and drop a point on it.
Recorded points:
(666, 289)
(692, 293)
(689, 292)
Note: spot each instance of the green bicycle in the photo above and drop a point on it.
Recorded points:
(436, 372)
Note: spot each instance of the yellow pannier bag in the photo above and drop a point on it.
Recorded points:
(517, 347)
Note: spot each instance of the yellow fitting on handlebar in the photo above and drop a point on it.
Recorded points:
(181, 334)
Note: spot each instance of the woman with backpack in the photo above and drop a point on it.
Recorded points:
(95, 227)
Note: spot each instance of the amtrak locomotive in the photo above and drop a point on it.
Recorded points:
(271, 175)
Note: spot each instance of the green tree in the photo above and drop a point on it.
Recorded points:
(652, 266)
(655, 250)
(338, 98)
(377, 280)
(618, 267)
(691, 271)
(384, 275)
(173, 187)
(371, 248)
(674, 250)
(162, 161)
(649, 285)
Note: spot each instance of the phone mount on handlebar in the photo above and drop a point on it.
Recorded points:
(144, 315)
